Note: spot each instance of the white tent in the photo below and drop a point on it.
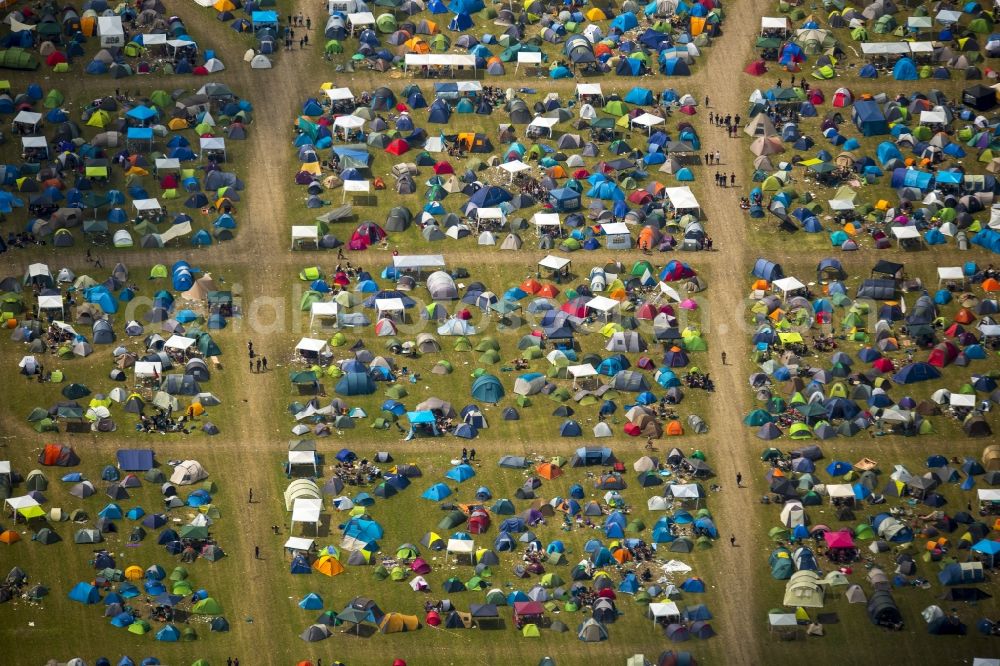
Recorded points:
(648, 121)
(543, 124)
(311, 346)
(188, 472)
(683, 199)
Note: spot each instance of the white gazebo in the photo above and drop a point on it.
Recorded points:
(323, 310)
(360, 20)
(306, 458)
(390, 308)
(950, 274)
(602, 306)
(311, 348)
(542, 125)
(581, 372)
(546, 220)
(527, 58)
(788, 285)
(514, 168)
(178, 343)
(555, 263)
(51, 303)
(356, 187)
(461, 548)
(305, 235)
(307, 510)
(647, 121)
(666, 611)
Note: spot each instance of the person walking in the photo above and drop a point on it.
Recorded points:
(739, 480)
(256, 552)
(718, 158)
(264, 361)
(723, 358)
(258, 365)
(732, 540)
(251, 365)
(706, 101)
(732, 179)
(250, 499)
(309, 23)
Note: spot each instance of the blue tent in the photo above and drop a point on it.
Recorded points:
(916, 372)
(311, 601)
(355, 383)
(460, 473)
(300, 565)
(693, 585)
(624, 22)
(868, 117)
(640, 96)
(437, 492)
(570, 428)
(487, 388)
(168, 634)
(868, 72)
(84, 593)
(904, 70)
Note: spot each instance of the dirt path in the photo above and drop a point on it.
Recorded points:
(731, 450)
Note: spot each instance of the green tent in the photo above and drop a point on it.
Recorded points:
(207, 606)
(17, 58)
(54, 99)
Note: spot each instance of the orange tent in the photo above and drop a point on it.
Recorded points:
(675, 428)
(9, 537)
(618, 295)
(697, 25)
(328, 565)
(556, 171)
(622, 555)
(601, 49)
(548, 291)
(548, 471)
(990, 284)
(965, 316)
(760, 284)
(417, 45)
(431, 27)
(531, 286)
(646, 238)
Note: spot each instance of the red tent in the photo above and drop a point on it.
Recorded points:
(397, 147)
(883, 365)
(55, 58)
(756, 68)
(443, 167)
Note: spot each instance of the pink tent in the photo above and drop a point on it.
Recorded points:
(839, 539)
(689, 304)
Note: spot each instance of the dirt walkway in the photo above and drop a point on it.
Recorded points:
(731, 450)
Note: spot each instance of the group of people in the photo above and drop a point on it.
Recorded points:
(357, 473)
(162, 422)
(256, 360)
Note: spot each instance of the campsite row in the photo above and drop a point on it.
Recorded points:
(453, 185)
(605, 330)
(151, 371)
(869, 347)
(664, 37)
(144, 171)
(139, 600)
(127, 40)
(480, 540)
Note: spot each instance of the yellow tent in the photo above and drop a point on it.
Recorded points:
(311, 167)
(328, 566)
(224, 6)
(697, 25)
(100, 118)
(133, 573)
(177, 124)
(594, 14)
(195, 409)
